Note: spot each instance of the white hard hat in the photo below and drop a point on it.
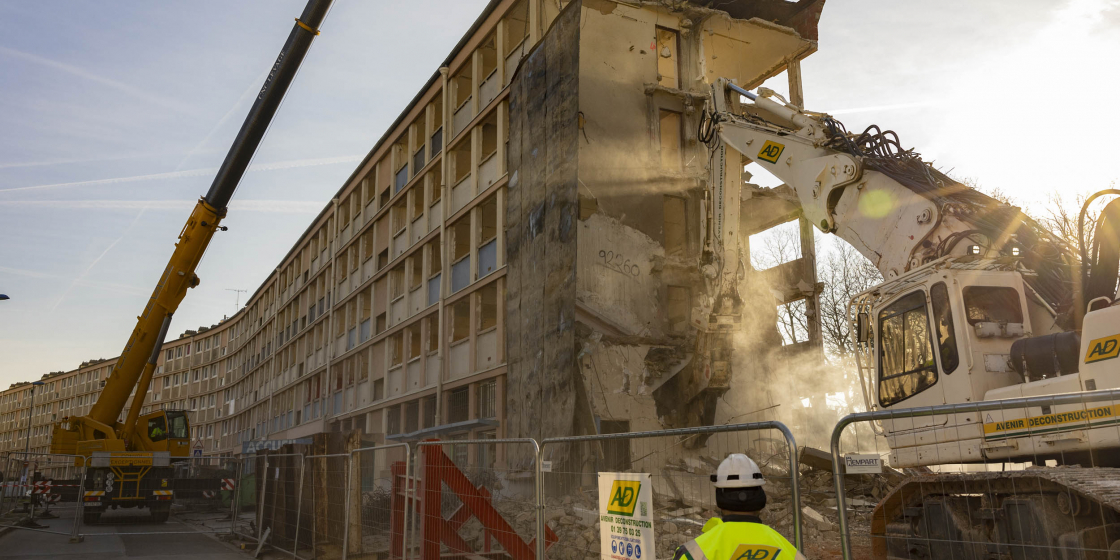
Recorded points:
(738, 471)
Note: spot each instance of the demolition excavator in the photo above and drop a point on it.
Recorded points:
(979, 303)
(130, 461)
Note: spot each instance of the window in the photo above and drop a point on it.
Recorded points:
(679, 308)
(668, 47)
(990, 304)
(670, 127)
(157, 429)
(487, 397)
(906, 365)
(943, 323)
(488, 307)
(179, 426)
(461, 320)
(616, 452)
(393, 420)
(676, 226)
(458, 405)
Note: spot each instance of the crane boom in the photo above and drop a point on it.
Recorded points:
(137, 361)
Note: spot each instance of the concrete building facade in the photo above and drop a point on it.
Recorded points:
(520, 255)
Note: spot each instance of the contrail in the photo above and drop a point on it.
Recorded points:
(262, 206)
(192, 173)
(83, 274)
(253, 88)
(119, 86)
(63, 161)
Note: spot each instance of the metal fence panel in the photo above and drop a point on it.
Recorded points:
(973, 493)
(326, 489)
(380, 486)
(680, 463)
(266, 505)
(474, 498)
(43, 486)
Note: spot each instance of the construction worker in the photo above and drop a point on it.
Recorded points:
(157, 432)
(739, 534)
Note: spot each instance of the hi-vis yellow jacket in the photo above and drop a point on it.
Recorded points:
(738, 537)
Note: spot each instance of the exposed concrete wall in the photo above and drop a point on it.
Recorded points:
(541, 235)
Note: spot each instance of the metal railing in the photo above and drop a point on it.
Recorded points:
(692, 434)
(1015, 404)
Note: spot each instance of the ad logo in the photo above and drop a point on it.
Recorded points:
(755, 552)
(771, 151)
(1103, 349)
(624, 496)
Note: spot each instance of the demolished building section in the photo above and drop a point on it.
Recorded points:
(614, 223)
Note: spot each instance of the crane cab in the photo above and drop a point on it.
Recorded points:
(164, 430)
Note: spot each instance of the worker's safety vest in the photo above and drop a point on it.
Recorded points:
(738, 540)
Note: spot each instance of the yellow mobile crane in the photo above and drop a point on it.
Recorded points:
(129, 462)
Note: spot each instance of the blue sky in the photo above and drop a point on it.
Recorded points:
(114, 116)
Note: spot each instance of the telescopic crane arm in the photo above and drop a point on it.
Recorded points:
(137, 361)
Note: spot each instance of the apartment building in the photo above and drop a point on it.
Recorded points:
(517, 256)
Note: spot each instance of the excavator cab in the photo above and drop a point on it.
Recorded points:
(164, 430)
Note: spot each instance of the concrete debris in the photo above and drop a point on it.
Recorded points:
(816, 459)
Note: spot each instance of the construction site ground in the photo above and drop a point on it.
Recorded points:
(126, 534)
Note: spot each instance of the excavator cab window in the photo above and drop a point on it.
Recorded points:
(906, 363)
(992, 304)
(943, 325)
(157, 429)
(180, 428)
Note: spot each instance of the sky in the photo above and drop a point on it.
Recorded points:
(115, 116)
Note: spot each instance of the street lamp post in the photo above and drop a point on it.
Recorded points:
(30, 417)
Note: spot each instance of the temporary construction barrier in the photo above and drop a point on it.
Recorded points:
(489, 508)
(678, 463)
(378, 493)
(987, 508)
(43, 486)
(265, 504)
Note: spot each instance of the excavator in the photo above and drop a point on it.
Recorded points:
(130, 461)
(979, 303)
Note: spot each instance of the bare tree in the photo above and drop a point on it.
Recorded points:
(845, 273)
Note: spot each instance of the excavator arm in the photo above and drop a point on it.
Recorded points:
(892, 207)
(100, 430)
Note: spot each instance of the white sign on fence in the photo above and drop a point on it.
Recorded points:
(626, 516)
(860, 463)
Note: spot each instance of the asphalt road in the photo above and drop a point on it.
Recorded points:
(128, 537)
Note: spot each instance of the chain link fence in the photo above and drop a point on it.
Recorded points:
(477, 497)
(1016, 478)
(327, 489)
(36, 488)
(678, 464)
(265, 505)
(380, 477)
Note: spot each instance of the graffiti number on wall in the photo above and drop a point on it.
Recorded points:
(619, 263)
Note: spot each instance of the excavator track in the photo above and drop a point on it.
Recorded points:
(1039, 513)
